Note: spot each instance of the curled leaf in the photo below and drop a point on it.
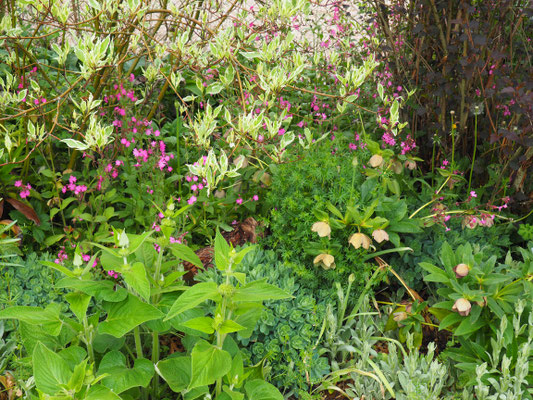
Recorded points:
(380, 235)
(327, 261)
(322, 228)
(375, 161)
(358, 240)
(462, 306)
(25, 209)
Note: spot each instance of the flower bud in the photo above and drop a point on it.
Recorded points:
(461, 270)
(462, 306)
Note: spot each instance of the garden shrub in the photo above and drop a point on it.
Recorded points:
(471, 60)
(493, 241)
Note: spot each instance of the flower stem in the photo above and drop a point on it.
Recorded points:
(473, 155)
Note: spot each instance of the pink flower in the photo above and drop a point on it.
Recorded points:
(473, 194)
(238, 201)
(18, 183)
(192, 200)
(255, 198)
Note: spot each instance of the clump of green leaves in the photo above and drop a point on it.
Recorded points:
(287, 335)
(238, 305)
(27, 282)
(478, 295)
(330, 213)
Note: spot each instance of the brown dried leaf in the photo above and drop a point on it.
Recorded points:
(15, 228)
(25, 209)
(358, 240)
(322, 228)
(380, 235)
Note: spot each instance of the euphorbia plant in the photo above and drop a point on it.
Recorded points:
(215, 359)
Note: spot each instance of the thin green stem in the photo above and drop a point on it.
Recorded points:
(473, 155)
(138, 342)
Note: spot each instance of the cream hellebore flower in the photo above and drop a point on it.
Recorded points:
(461, 270)
(375, 161)
(380, 235)
(327, 261)
(322, 228)
(360, 240)
(462, 306)
(410, 164)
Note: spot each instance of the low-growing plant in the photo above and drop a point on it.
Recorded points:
(479, 296)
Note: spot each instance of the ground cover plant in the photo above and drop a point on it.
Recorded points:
(265, 200)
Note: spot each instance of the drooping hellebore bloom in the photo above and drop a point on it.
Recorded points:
(461, 270)
(462, 306)
(327, 261)
(322, 228)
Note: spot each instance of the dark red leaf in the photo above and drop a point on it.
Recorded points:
(25, 209)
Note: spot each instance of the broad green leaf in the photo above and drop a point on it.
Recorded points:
(73, 355)
(103, 343)
(450, 320)
(258, 389)
(447, 256)
(79, 302)
(467, 327)
(110, 261)
(202, 324)
(411, 226)
(58, 267)
(101, 290)
(196, 393)
(208, 363)
(122, 378)
(176, 372)
(78, 376)
(135, 276)
(258, 291)
(240, 255)
(237, 370)
(124, 316)
(229, 326)
(48, 318)
(100, 392)
(436, 274)
(222, 250)
(49, 369)
(193, 296)
(231, 395)
(136, 241)
(247, 315)
(185, 253)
